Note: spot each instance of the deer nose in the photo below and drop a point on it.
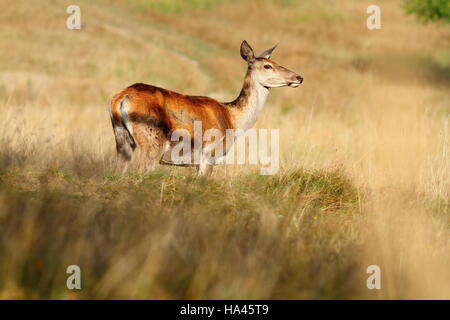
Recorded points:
(300, 79)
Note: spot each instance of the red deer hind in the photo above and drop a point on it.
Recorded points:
(144, 116)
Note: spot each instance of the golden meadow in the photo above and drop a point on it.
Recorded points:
(364, 143)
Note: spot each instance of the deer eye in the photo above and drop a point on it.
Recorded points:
(267, 66)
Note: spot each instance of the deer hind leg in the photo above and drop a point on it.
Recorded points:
(150, 140)
(125, 143)
(124, 146)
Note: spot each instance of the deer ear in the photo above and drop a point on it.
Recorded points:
(266, 54)
(247, 52)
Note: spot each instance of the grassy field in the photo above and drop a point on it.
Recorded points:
(364, 177)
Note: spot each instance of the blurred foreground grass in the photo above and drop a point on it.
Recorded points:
(177, 236)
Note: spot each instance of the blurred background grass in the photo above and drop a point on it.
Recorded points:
(364, 179)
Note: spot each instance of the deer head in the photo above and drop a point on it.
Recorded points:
(267, 72)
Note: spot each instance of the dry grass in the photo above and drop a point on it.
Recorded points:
(365, 176)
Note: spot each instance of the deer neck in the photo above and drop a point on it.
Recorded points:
(246, 108)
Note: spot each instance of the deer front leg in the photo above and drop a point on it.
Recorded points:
(205, 168)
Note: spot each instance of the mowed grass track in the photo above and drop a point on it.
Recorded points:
(364, 177)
